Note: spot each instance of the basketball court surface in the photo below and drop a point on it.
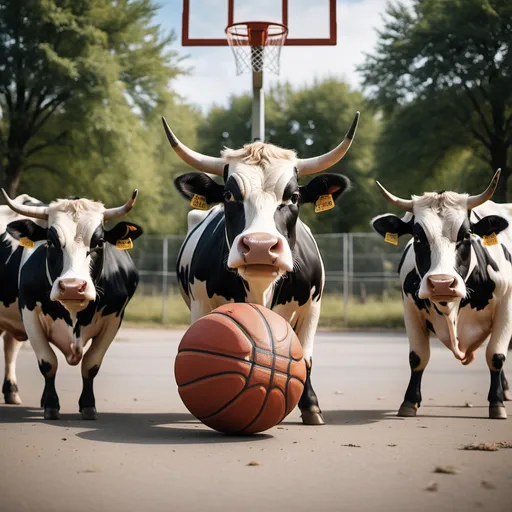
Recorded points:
(147, 453)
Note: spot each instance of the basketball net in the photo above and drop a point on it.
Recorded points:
(256, 45)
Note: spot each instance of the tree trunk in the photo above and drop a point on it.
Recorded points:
(12, 176)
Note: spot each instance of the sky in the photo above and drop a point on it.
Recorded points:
(213, 75)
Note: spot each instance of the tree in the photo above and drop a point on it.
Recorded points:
(457, 54)
(62, 61)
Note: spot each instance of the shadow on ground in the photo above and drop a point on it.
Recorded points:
(136, 428)
(166, 428)
(177, 428)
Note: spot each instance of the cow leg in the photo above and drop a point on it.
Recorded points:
(10, 385)
(47, 361)
(305, 330)
(419, 355)
(495, 355)
(507, 394)
(91, 364)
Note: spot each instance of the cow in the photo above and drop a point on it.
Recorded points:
(251, 245)
(11, 325)
(456, 279)
(74, 286)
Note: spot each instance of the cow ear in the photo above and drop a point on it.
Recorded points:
(489, 225)
(334, 184)
(392, 224)
(123, 231)
(25, 228)
(199, 183)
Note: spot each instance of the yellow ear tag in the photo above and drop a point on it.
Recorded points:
(492, 239)
(199, 202)
(324, 203)
(124, 245)
(391, 238)
(26, 242)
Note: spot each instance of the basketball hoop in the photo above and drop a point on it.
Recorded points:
(256, 45)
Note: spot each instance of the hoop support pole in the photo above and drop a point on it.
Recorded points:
(258, 107)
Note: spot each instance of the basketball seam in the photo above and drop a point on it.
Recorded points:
(253, 363)
(244, 332)
(199, 379)
(228, 404)
(288, 378)
(272, 370)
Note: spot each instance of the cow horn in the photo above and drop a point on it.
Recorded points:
(36, 212)
(119, 211)
(204, 163)
(320, 163)
(404, 204)
(474, 201)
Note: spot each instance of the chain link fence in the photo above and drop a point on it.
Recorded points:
(358, 266)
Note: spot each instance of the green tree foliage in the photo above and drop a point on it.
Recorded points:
(79, 85)
(443, 72)
(310, 120)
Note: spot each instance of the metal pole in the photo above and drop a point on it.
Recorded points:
(258, 105)
(351, 264)
(345, 279)
(165, 252)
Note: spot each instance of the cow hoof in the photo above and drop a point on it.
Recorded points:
(407, 410)
(51, 414)
(12, 399)
(507, 394)
(497, 413)
(89, 413)
(312, 416)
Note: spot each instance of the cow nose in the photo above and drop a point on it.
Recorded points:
(260, 249)
(72, 288)
(442, 284)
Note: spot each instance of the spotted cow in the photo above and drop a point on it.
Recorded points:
(456, 276)
(74, 286)
(251, 246)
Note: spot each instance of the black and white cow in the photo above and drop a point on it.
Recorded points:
(74, 286)
(252, 246)
(456, 275)
(11, 325)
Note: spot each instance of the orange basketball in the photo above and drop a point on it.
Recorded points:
(240, 369)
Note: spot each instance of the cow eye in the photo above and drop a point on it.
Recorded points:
(228, 196)
(99, 243)
(467, 236)
(295, 198)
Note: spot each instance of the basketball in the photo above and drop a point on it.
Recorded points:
(240, 369)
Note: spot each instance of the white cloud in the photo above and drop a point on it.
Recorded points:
(214, 79)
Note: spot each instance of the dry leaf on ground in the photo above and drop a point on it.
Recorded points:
(482, 447)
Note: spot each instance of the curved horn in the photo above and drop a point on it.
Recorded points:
(110, 213)
(474, 201)
(404, 204)
(36, 212)
(196, 160)
(320, 163)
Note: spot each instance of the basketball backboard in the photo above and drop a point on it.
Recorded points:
(309, 22)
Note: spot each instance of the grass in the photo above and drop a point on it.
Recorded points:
(146, 311)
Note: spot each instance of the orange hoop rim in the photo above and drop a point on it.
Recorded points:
(263, 26)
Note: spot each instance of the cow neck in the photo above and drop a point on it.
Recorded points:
(260, 292)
